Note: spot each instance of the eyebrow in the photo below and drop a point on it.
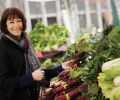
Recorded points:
(13, 17)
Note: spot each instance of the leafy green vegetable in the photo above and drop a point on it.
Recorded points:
(110, 64)
(104, 49)
(48, 38)
(105, 80)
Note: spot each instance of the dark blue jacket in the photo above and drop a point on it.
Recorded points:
(14, 83)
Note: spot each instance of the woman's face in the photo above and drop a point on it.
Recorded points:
(14, 26)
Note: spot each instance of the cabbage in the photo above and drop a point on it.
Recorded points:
(109, 64)
(109, 81)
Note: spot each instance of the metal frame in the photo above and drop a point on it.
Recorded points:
(44, 15)
(74, 13)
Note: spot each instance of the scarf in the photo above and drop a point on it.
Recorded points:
(31, 61)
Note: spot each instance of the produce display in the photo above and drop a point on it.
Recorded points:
(81, 53)
(89, 54)
(95, 72)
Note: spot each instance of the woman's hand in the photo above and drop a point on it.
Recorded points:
(38, 74)
(68, 65)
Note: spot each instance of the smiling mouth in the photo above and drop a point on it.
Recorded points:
(17, 29)
(20, 28)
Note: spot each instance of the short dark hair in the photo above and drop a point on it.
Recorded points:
(11, 13)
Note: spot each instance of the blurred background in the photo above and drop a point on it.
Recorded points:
(73, 14)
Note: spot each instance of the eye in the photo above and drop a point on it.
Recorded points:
(19, 20)
(11, 22)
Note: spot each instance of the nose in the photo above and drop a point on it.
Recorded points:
(16, 24)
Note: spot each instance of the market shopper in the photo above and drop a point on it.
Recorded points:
(20, 73)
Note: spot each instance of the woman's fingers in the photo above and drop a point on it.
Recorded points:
(38, 74)
(67, 64)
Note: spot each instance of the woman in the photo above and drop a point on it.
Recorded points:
(20, 73)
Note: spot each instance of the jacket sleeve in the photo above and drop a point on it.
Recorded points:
(53, 72)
